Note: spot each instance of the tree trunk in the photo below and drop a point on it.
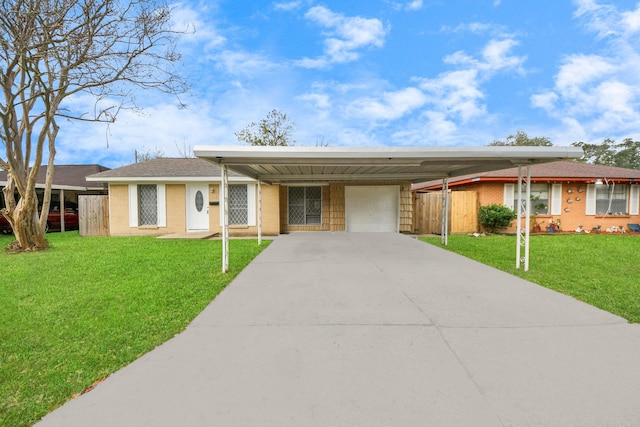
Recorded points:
(26, 229)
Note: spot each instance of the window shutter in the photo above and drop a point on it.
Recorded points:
(251, 205)
(162, 205)
(556, 199)
(133, 205)
(591, 200)
(634, 200)
(509, 195)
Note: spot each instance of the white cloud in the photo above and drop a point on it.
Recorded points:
(317, 100)
(414, 5)
(199, 31)
(545, 100)
(389, 105)
(457, 93)
(345, 36)
(288, 6)
(631, 20)
(600, 92)
(242, 63)
(496, 55)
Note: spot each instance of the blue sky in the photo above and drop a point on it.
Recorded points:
(387, 73)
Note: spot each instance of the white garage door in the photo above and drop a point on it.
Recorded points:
(372, 208)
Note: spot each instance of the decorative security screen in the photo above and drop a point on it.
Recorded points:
(305, 205)
(238, 205)
(148, 204)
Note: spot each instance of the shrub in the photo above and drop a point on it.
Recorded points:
(496, 216)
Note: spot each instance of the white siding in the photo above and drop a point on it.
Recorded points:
(133, 205)
(162, 205)
(634, 197)
(509, 195)
(252, 205)
(556, 199)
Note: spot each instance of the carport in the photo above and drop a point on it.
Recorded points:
(315, 165)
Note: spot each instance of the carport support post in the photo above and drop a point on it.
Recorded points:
(259, 212)
(445, 212)
(523, 207)
(225, 219)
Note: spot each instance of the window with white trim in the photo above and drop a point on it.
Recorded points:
(147, 205)
(305, 205)
(539, 204)
(238, 204)
(612, 199)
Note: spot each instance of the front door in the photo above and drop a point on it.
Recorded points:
(197, 207)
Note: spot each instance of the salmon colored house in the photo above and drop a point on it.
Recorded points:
(565, 195)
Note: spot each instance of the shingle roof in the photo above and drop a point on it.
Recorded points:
(562, 170)
(67, 175)
(164, 167)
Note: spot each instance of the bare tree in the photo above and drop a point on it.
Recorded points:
(145, 154)
(51, 50)
(186, 151)
(275, 129)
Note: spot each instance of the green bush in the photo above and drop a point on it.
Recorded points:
(496, 216)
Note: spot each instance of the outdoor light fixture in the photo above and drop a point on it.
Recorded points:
(598, 182)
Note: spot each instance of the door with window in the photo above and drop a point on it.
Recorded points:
(197, 207)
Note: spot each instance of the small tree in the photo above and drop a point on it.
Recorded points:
(275, 129)
(51, 50)
(521, 139)
(496, 216)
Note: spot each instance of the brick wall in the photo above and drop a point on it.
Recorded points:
(573, 212)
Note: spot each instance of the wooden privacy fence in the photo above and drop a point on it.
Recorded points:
(463, 212)
(93, 213)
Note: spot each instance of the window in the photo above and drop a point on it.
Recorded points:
(539, 204)
(305, 205)
(612, 199)
(238, 205)
(148, 205)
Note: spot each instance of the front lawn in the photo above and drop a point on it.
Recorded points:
(88, 306)
(602, 270)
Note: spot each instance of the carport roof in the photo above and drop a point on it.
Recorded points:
(374, 164)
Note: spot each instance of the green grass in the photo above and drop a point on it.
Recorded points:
(602, 270)
(86, 307)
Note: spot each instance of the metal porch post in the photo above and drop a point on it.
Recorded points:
(445, 212)
(523, 208)
(259, 213)
(225, 219)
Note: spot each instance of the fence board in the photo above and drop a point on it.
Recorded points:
(93, 212)
(463, 212)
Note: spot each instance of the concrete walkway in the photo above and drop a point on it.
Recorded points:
(336, 329)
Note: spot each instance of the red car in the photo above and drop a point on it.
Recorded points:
(53, 220)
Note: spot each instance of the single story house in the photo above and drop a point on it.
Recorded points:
(565, 195)
(69, 181)
(287, 189)
(178, 195)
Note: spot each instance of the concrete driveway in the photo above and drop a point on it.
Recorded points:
(338, 329)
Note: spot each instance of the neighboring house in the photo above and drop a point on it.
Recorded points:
(177, 195)
(69, 181)
(570, 194)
